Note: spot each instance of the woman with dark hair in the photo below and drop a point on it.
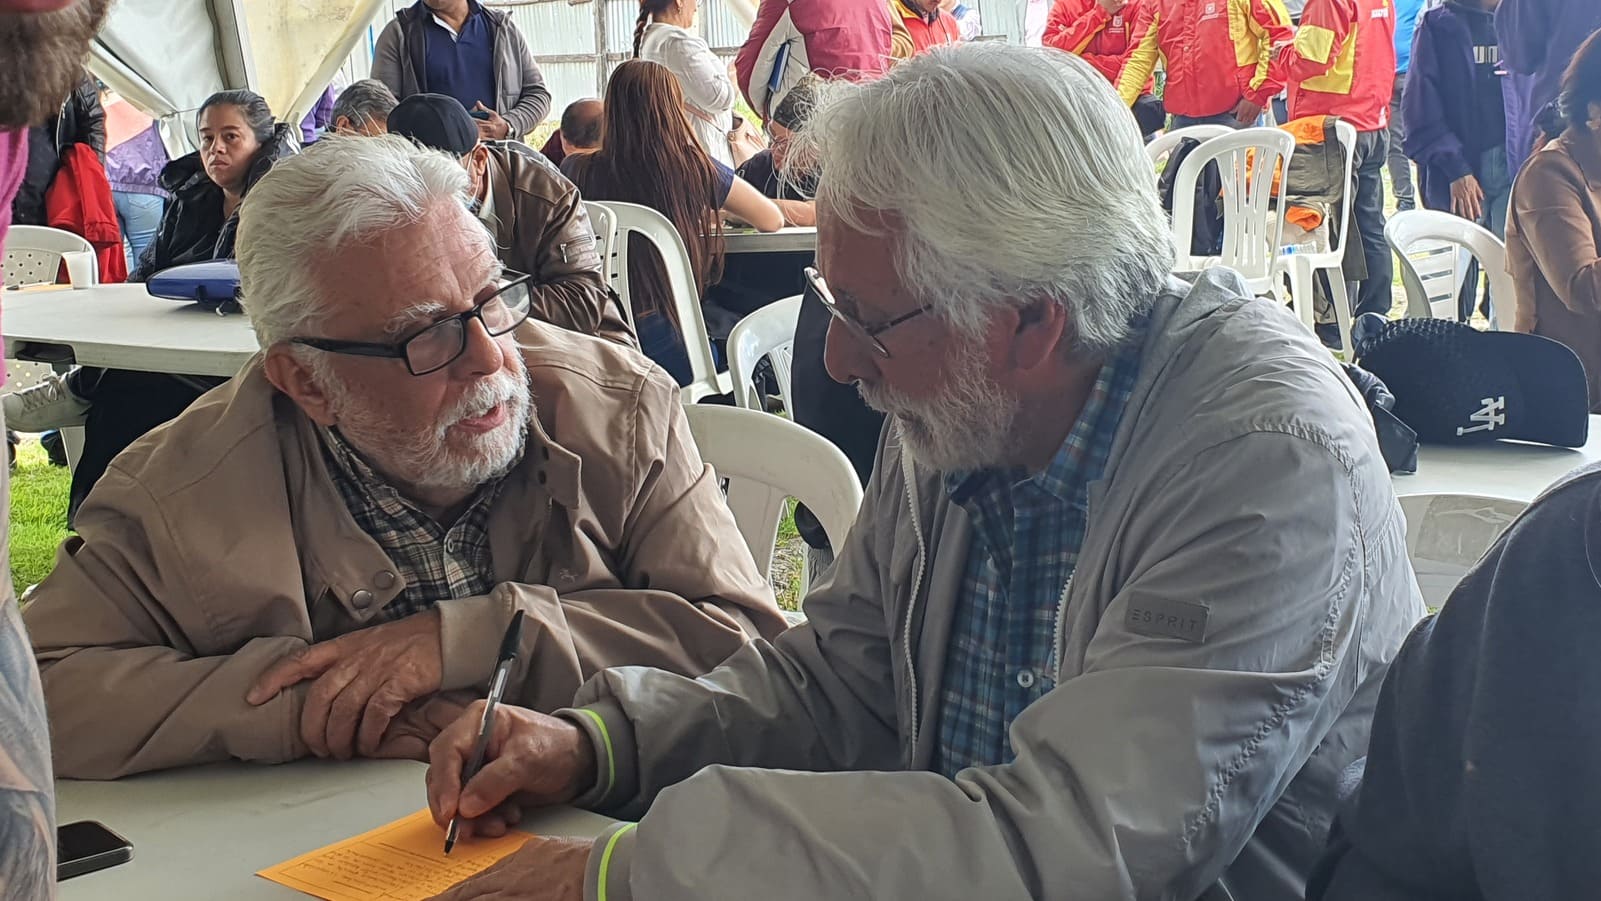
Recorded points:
(1554, 228)
(649, 156)
(239, 142)
(664, 33)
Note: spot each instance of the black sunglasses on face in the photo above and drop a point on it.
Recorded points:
(438, 345)
(867, 333)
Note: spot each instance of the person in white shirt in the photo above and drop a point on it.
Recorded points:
(664, 35)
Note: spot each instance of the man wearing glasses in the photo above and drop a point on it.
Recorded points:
(321, 556)
(1114, 615)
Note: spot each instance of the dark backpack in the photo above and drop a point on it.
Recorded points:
(1206, 234)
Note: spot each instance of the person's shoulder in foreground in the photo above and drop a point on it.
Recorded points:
(1207, 561)
(347, 508)
(1483, 777)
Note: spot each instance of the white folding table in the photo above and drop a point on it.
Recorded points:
(1501, 469)
(123, 327)
(202, 833)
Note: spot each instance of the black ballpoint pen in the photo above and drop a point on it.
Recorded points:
(497, 688)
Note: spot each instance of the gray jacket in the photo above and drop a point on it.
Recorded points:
(1242, 585)
(398, 62)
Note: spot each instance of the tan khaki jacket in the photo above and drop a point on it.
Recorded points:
(217, 544)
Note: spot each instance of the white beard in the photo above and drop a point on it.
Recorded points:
(969, 425)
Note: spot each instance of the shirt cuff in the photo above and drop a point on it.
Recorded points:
(611, 861)
(616, 754)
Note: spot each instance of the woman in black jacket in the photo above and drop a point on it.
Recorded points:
(239, 142)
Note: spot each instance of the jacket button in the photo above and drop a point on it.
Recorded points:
(383, 580)
(362, 599)
(543, 478)
(1025, 679)
(545, 451)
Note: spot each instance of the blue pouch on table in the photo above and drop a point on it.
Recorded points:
(213, 284)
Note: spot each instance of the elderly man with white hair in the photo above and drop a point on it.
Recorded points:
(321, 556)
(1114, 616)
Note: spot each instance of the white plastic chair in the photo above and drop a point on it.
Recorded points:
(1433, 248)
(1168, 141)
(33, 254)
(768, 332)
(768, 459)
(603, 222)
(632, 219)
(1446, 534)
(1253, 225)
(1302, 268)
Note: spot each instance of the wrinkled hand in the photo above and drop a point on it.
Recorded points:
(493, 128)
(1247, 112)
(359, 682)
(545, 869)
(531, 759)
(419, 723)
(1467, 198)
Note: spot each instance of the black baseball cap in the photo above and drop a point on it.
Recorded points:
(435, 121)
(1454, 384)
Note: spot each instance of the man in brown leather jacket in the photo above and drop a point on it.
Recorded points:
(320, 557)
(533, 211)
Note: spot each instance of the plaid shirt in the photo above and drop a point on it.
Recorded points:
(1027, 532)
(434, 563)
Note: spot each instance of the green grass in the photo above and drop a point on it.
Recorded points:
(38, 514)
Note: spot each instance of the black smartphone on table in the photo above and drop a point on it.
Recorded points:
(88, 846)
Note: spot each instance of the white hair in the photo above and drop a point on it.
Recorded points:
(1006, 175)
(342, 191)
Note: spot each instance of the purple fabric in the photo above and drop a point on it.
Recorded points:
(1538, 39)
(13, 163)
(135, 165)
(320, 117)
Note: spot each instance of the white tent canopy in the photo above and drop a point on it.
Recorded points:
(168, 56)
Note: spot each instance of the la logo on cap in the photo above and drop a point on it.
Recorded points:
(1489, 417)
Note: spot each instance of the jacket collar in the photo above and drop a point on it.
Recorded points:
(344, 562)
(1586, 153)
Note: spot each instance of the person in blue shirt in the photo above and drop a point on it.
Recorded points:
(1407, 13)
(461, 49)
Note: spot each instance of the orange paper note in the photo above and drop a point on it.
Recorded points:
(403, 861)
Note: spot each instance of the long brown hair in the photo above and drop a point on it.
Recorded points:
(648, 155)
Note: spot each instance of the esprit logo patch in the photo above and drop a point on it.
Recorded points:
(1165, 618)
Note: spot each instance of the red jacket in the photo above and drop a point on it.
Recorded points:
(839, 38)
(1217, 54)
(1105, 40)
(913, 34)
(79, 201)
(1342, 62)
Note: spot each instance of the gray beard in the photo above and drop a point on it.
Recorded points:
(41, 59)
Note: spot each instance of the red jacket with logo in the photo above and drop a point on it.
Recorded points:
(1342, 62)
(1105, 40)
(1217, 52)
(913, 33)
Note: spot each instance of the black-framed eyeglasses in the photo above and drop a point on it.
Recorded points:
(867, 333)
(438, 344)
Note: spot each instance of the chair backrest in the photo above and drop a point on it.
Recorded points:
(33, 253)
(1165, 143)
(603, 222)
(769, 332)
(768, 459)
(634, 219)
(1433, 248)
(1253, 225)
(1446, 534)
